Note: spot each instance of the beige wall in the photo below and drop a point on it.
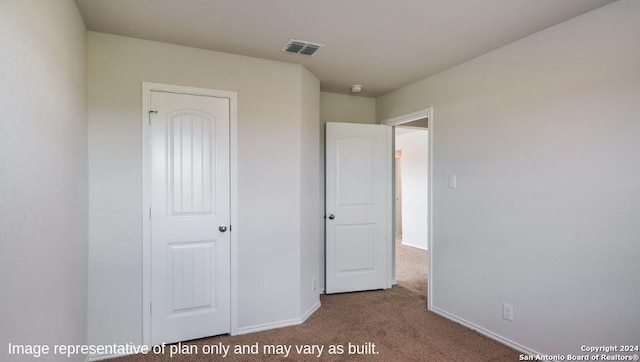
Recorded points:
(544, 137)
(276, 116)
(43, 175)
(414, 146)
(347, 108)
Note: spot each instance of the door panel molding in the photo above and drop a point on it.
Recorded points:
(147, 89)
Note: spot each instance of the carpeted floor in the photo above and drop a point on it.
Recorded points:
(411, 268)
(396, 321)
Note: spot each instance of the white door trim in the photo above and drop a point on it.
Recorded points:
(147, 88)
(428, 113)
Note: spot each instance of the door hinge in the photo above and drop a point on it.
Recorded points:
(149, 213)
(150, 113)
(149, 308)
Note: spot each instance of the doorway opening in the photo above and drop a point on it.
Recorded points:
(412, 195)
(411, 211)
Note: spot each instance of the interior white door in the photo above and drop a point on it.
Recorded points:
(190, 215)
(358, 206)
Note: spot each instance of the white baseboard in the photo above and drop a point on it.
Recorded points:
(311, 310)
(245, 330)
(100, 357)
(413, 246)
(279, 324)
(485, 332)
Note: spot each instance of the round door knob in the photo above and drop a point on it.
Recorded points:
(331, 217)
(222, 228)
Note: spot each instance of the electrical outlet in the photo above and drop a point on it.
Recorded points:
(314, 284)
(507, 312)
(453, 182)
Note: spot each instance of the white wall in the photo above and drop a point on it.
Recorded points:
(311, 197)
(272, 107)
(339, 108)
(43, 175)
(415, 151)
(544, 137)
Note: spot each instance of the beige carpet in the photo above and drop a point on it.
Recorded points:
(395, 320)
(411, 267)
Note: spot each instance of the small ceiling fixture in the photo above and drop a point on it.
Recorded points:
(356, 88)
(301, 47)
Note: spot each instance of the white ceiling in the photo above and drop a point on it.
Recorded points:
(381, 44)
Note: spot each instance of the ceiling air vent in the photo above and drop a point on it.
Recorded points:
(301, 47)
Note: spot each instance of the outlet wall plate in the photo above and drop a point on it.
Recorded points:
(453, 182)
(507, 312)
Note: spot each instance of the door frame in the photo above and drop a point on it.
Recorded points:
(147, 88)
(410, 117)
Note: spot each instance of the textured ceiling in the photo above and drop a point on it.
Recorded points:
(380, 44)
